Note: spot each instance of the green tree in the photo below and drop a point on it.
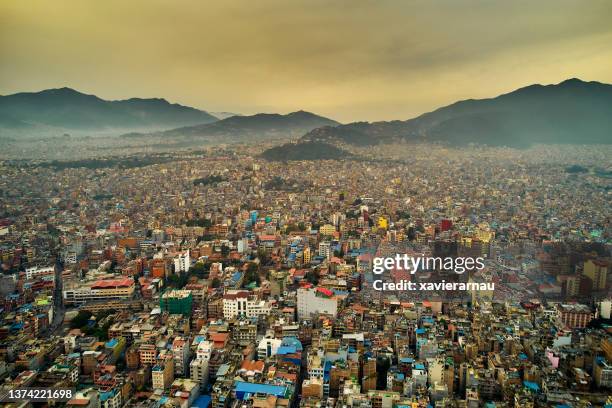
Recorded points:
(178, 281)
(312, 276)
(200, 269)
(80, 319)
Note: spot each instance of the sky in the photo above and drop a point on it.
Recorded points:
(349, 60)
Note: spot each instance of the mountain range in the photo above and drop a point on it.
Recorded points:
(67, 109)
(253, 127)
(573, 111)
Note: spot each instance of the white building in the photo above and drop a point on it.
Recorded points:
(39, 271)
(242, 303)
(243, 245)
(605, 307)
(316, 300)
(325, 249)
(268, 347)
(182, 262)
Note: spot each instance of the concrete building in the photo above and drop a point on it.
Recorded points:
(199, 366)
(162, 374)
(182, 262)
(316, 300)
(180, 351)
(39, 271)
(176, 302)
(243, 303)
(99, 291)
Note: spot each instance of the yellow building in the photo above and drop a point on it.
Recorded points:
(307, 255)
(484, 233)
(383, 223)
(327, 229)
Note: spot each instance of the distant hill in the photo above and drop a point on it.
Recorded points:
(255, 127)
(571, 112)
(224, 115)
(304, 151)
(68, 109)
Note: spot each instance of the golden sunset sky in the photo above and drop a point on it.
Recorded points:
(349, 60)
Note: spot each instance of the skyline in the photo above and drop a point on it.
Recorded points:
(413, 58)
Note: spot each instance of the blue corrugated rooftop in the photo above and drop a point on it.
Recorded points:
(286, 350)
(244, 390)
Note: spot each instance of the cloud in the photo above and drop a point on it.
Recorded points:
(346, 59)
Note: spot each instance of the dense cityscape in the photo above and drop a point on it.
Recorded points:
(211, 277)
(306, 204)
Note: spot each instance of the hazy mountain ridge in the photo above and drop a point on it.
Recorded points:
(254, 127)
(65, 108)
(573, 111)
(224, 115)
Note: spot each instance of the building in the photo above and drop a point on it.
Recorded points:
(316, 300)
(575, 316)
(110, 398)
(159, 267)
(185, 390)
(87, 398)
(243, 303)
(327, 230)
(597, 272)
(182, 262)
(199, 366)
(176, 302)
(147, 354)
(268, 347)
(245, 332)
(325, 249)
(602, 373)
(162, 374)
(244, 391)
(36, 271)
(99, 291)
(180, 351)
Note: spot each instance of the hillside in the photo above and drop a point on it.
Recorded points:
(254, 127)
(571, 112)
(67, 109)
(304, 151)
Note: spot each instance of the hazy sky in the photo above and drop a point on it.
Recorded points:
(349, 60)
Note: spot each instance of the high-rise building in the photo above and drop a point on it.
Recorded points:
(198, 368)
(180, 351)
(325, 249)
(162, 374)
(597, 271)
(182, 262)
